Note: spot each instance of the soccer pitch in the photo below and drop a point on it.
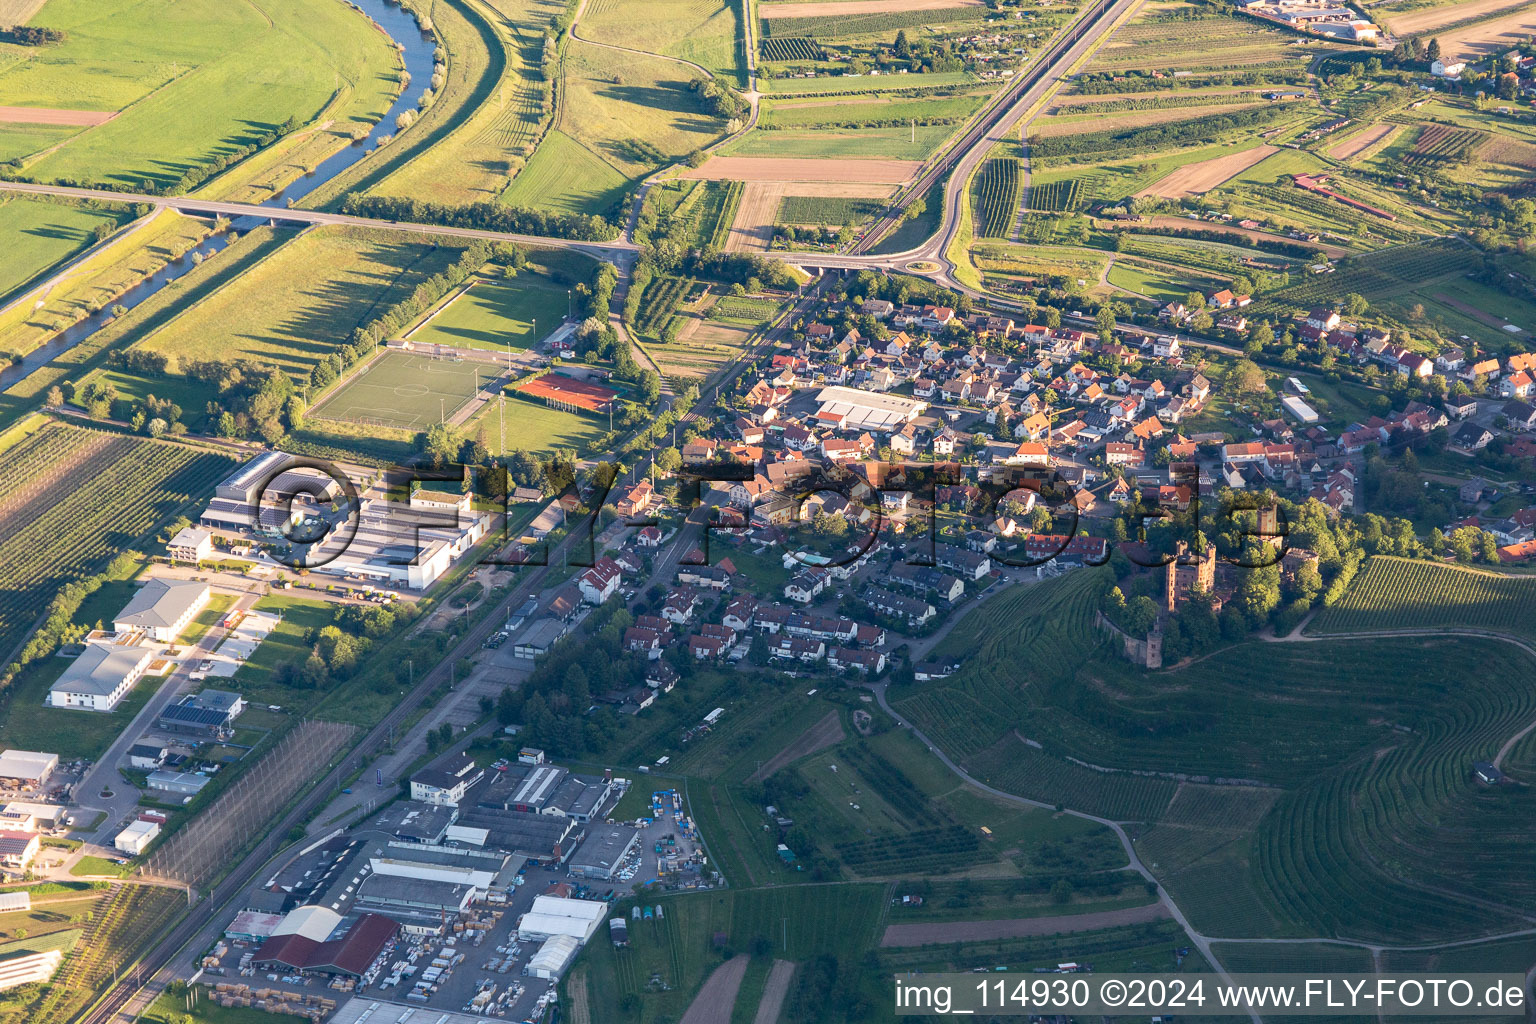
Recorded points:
(404, 390)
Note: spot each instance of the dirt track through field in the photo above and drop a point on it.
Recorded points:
(1198, 179)
(818, 737)
(54, 115)
(1481, 316)
(852, 8)
(758, 210)
(716, 1000)
(774, 991)
(828, 172)
(1018, 928)
(1417, 22)
(1351, 148)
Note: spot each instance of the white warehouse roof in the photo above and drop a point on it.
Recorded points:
(27, 764)
(311, 921)
(869, 410)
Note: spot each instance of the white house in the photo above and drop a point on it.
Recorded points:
(1443, 69)
(100, 677)
(162, 609)
(598, 583)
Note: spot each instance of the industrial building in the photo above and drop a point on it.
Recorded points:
(602, 853)
(852, 409)
(208, 715)
(402, 544)
(554, 956)
(27, 767)
(543, 838)
(556, 915)
(253, 926)
(100, 677)
(539, 638)
(179, 783)
(162, 609)
(541, 788)
(416, 822)
(296, 947)
(135, 839)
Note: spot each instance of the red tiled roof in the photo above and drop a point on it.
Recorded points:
(350, 954)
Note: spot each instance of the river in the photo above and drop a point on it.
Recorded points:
(418, 50)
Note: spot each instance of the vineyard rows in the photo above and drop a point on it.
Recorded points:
(868, 24)
(726, 215)
(1055, 196)
(997, 197)
(793, 48)
(929, 851)
(1439, 143)
(1401, 593)
(101, 494)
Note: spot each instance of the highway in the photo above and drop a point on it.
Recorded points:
(993, 125)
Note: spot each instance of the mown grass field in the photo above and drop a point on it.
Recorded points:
(535, 427)
(296, 305)
(184, 93)
(796, 922)
(39, 235)
(498, 313)
(1401, 593)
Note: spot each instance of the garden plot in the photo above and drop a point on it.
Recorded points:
(752, 229)
(1199, 178)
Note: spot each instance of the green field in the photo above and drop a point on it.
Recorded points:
(184, 92)
(535, 427)
(785, 114)
(826, 210)
(791, 923)
(621, 117)
(843, 143)
(1400, 593)
(491, 107)
(301, 302)
(39, 235)
(258, 678)
(498, 314)
(94, 282)
(704, 32)
(406, 391)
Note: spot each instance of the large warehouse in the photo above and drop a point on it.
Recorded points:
(349, 954)
(100, 677)
(555, 915)
(603, 852)
(162, 609)
(852, 409)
